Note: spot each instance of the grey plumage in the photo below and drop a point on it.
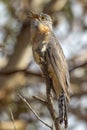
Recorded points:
(46, 49)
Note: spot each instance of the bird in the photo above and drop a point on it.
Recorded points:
(49, 55)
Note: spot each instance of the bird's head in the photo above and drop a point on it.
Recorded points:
(42, 22)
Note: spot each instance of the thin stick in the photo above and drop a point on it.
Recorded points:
(30, 107)
(40, 99)
(12, 117)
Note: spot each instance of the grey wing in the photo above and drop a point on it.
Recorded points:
(58, 67)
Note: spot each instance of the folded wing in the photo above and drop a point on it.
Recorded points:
(57, 68)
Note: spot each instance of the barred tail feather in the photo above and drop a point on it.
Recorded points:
(62, 104)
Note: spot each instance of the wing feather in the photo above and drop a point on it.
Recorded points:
(59, 67)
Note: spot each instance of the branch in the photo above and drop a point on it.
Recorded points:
(78, 66)
(13, 79)
(9, 72)
(12, 117)
(49, 99)
(36, 115)
(50, 105)
(25, 71)
(40, 99)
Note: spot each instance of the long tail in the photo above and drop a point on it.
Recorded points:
(62, 104)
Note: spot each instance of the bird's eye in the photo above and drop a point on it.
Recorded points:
(42, 17)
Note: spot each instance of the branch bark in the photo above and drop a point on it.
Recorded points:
(36, 115)
(49, 99)
(50, 105)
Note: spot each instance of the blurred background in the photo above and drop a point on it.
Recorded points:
(20, 74)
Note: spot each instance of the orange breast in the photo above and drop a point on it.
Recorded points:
(43, 28)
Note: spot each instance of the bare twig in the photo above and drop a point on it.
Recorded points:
(12, 117)
(36, 115)
(49, 105)
(78, 66)
(40, 99)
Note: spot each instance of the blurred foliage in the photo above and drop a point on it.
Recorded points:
(18, 71)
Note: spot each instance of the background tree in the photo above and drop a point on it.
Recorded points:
(19, 73)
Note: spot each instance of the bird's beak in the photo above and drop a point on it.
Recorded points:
(30, 14)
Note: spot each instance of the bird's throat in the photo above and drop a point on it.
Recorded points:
(43, 29)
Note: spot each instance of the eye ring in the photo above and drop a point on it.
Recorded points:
(42, 17)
